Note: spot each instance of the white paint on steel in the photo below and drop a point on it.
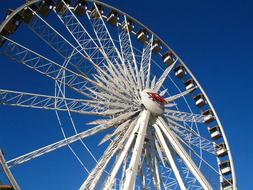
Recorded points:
(183, 154)
(170, 158)
(131, 171)
(8, 172)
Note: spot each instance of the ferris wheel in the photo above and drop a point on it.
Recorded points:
(110, 81)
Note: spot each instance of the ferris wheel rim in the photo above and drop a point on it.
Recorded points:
(165, 44)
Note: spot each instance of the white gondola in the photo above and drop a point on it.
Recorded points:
(61, 6)
(156, 46)
(208, 116)
(225, 167)
(12, 25)
(221, 149)
(130, 25)
(227, 184)
(45, 7)
(199, 100)
(26, 15)
(189, 84)
(168, 58)
(112, 17)
(215, 132)
(142, 35)
(180, 71)
(80, 8)
(95, 13)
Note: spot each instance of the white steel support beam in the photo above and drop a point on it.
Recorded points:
(132, 169)
(113, 148)
(150, 158)
(94, 176)
(84, 40)
(120, 159)
(46, 102)
(162, 78)
(183, 154)
(103, 35)
(146, 63)
(170, 158)
(8, 172)
(179, 95)
(185, 116)
(127, 52)
(142, 178)
(53, 38)
(43, 65)
(158, 185)
(57, 145)
(155, 162)
(31, 100)
(190, 137)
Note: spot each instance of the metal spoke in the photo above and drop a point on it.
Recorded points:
(185, 117)
(127, 52)
(169, 157)
(96, 173)
(120, 159)
(104, 37)
(183, 155)
(86, 43)
(57, 42)
(154, 157)
(199, 156)
(119, 128)
(190, 137)
(107, 44)
(151, 161)
(43, 65)
(131, 171)
(30, 100)
(162, 78)
(146, 64)
(177, 96)
(120, 84)
(55, 146)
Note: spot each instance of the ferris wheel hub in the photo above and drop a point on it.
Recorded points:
(152, 101)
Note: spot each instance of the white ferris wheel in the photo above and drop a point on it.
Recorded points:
(111, 81)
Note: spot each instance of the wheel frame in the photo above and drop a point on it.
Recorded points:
(164, 45)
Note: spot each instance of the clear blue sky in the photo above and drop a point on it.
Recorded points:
(214, 38)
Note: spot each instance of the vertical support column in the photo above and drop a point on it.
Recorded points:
(122, 156)
(170, 158)
(8, 172)
(131, 171)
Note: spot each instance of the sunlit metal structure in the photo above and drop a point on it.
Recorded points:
(162, 130)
